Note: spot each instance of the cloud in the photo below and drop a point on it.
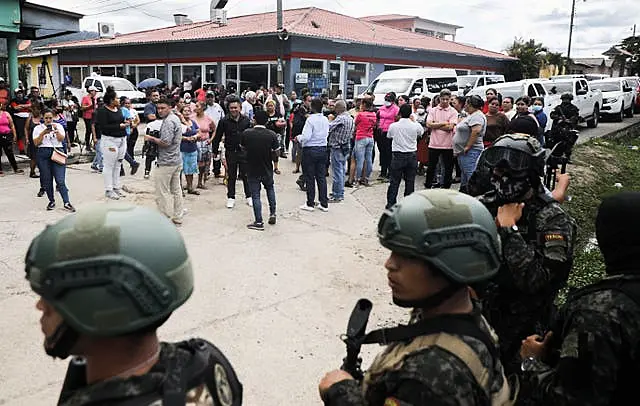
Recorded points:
(488, 24)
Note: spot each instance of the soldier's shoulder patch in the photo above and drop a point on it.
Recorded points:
(554, 237)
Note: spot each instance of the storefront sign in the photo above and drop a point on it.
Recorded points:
(302, 78)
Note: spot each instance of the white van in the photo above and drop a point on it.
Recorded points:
(468, 82)
(413, 82)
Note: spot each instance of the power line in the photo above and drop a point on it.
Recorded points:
(123, 8)
(145, 12)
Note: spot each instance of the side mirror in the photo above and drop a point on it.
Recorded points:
(581, 92)
(626, 89)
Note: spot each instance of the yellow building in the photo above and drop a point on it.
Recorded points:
(40, 69)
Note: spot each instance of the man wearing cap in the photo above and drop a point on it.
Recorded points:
(21, 107)
(88, 106)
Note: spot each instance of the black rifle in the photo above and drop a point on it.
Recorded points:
(354, 338)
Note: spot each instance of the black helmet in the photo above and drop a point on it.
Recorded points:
(518, 152)
(566, 96)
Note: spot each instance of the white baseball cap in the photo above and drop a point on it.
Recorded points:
(1, 79)
(93, 88)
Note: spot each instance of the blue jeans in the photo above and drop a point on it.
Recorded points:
(338, 163)
(314, 162)
(49, 171)
(364, 155)
(97, 159)
(254, 185)
(468, 164)
(404, 165)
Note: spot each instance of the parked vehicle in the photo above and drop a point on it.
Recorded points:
(589, 101)
(527, 87)
(413, 82)
(588, 76)
(121, 85)
(634, 81)
(468, 82)
(618, 97)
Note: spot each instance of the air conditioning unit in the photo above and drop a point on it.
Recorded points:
(106, 30)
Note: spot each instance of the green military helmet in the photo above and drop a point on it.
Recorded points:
(450, 230)
(520, 152)
(111, 270)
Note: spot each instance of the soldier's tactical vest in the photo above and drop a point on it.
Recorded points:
(393, 357)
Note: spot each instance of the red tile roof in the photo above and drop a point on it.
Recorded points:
(310, 22)
(388, 17)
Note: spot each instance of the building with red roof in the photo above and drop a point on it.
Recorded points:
(330, 50)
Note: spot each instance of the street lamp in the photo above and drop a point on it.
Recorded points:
(573, 13)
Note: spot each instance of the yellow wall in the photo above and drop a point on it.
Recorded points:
(34, 62)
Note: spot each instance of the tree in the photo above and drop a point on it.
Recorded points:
(632, 45)
(556, 59)
(531, 56)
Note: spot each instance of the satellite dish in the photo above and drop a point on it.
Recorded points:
(24, 44)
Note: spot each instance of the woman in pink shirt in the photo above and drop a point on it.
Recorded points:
(365, 125)
(387, 115)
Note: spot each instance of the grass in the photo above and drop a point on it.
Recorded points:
(597, 166)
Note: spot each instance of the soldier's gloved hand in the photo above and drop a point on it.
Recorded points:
(331, 378)
(509, 214)
(535, 346)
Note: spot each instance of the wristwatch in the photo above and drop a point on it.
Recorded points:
(527, 363)
(513, 229)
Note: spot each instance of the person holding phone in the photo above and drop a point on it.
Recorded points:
(48, 137)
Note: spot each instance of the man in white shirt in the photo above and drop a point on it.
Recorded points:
(247, 105)
(404, 162)
(213, 110)
(314, 156)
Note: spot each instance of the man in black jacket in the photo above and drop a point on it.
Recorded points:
(300, 115)
(231, 126)
(261, 146)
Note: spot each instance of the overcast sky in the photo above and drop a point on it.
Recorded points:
(489, 24)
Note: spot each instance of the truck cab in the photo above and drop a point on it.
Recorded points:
(121, 85)
(589, 101)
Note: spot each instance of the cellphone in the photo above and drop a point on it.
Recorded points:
(49, 127)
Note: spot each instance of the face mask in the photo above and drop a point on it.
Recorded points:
(510, 189)
(387, 103)
(537, 109)
(420, 111)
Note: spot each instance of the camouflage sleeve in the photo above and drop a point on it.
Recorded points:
(588, 368)
(344, 393)
(535, 265)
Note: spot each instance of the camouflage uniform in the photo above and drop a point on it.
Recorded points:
(599, 354)
(139, 390)
(431, 376)
(537, 260)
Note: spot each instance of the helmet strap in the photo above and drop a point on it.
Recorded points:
(432, 301)
(59, 345)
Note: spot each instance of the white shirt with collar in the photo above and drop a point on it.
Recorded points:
(315, 131)
(405, 133)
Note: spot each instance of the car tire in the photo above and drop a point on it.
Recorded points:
(629, 112)
(595, 119)
(620, 116)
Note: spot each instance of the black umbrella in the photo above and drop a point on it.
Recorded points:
(150, 82)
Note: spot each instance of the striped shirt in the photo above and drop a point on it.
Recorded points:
(341, 130)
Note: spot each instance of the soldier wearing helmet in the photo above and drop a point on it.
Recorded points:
(440, 241)
(566, 113)
(537, 243)
(103, 293)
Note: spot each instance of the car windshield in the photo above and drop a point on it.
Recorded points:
(560, 87)
(464, 81)
(119, 85)
(384, 86)
(492, 80)
(435, 85)
(606, 86)
(510, 91)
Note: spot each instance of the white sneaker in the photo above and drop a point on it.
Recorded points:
(110, 194)
(306, 208)
(231, 203)
(323, 209)
(249, 202)
(119, 192)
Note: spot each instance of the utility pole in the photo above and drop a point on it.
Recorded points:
(281, 39)
(573, 13)
(634, 30)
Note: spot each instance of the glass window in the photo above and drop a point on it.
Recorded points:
(334, 79)
(76, 75)
(606, 86)
(467, 81)
(311, 67)
(558, 87)
(118, 84)
(531, 92)
(176, 76)
(107, 70)
(120, 71)
(160, 73)
(396, 67)
(231, 81)
(253, 76)
(435, 85)
(417, 88)
(193, 72)
(146, 72)
(383, 86)
(539, 89)
(357, 73)
(210, 72)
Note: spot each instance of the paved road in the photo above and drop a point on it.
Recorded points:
(604, 128)
(274, 301)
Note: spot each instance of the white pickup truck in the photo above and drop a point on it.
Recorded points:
(586, 99)
(122, 87)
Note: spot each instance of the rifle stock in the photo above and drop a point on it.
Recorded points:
(356, 329)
